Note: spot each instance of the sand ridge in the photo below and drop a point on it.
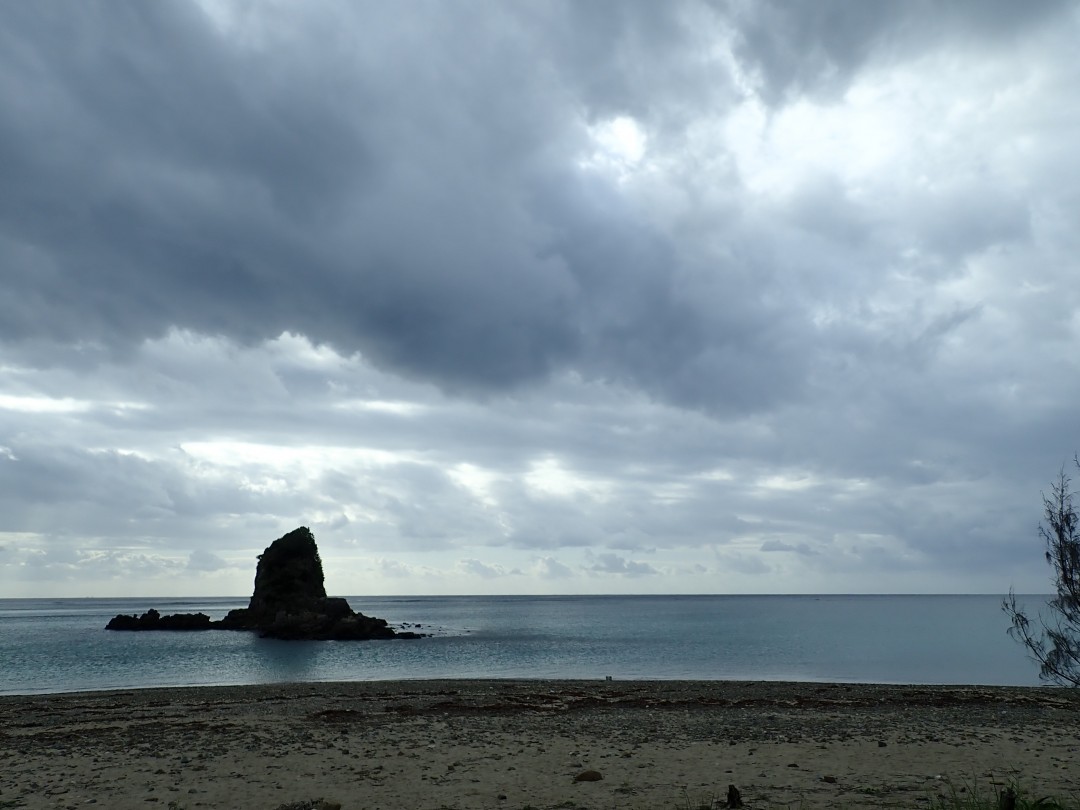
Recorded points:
(517, 744)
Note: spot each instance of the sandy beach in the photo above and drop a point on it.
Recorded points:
(527, 744)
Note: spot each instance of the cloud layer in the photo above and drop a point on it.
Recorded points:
(542, 297)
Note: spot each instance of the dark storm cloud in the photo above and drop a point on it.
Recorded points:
(816, 48)
(783, 291)
(428, 214)
(151, 176)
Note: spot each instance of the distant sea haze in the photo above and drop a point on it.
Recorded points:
(59, 645)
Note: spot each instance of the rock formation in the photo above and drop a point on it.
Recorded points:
(152, 620)
(289, 602)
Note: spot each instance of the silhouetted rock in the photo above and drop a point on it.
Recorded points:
(152, 620)
(289, 602)
(288, 582)
(148, 621)
(186, 621)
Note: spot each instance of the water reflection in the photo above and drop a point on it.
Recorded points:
(286, 661)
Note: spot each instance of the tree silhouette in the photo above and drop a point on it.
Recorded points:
(1054, 642)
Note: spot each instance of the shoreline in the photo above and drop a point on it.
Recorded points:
(374, 682)
(773, 687)
(521, 743)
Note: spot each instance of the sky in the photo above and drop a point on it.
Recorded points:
(538, 297)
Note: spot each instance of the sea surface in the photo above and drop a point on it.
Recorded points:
(60, 645)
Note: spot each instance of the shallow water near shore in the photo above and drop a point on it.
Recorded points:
(59, 645)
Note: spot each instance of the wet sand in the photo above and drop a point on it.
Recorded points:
(522, 744)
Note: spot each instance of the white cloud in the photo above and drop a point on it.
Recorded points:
(395, 569)
(779, 545)
(608, 563)
(475, 568)
(205, 561)
(550, 568)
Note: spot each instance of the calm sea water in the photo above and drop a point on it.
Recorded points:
(55, 645)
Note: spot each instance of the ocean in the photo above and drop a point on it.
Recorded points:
(60, 645)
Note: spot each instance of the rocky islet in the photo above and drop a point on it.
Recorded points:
(289, 602)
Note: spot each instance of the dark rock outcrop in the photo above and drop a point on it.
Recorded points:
(152, 620)
(288, 582)
(289, 602)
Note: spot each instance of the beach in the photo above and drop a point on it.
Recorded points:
(533, 744)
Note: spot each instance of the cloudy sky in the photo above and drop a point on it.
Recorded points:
(537, 297)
